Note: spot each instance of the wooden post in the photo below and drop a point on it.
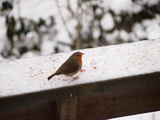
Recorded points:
(67, 109)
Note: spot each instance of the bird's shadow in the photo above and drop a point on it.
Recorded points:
(71, 80)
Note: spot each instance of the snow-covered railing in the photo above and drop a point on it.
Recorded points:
(115, 81)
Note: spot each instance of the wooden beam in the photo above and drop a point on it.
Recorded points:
(132, 82)
(119, 97)
(119, 103)
(45, 111)
(27, 76)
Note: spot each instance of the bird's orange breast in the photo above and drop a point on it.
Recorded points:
(79, 59)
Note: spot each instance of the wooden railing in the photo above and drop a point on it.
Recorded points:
(115, 81)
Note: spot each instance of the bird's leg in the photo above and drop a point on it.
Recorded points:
(74, 78)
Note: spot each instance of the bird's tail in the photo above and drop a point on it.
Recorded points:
(51, 76)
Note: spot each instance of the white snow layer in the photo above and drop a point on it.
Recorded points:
(144, 116)
(99, 64)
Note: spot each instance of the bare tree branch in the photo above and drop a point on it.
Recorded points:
(63, 20)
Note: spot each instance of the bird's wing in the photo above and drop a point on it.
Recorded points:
(68, 67)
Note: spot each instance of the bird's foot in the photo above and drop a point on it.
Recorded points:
(75, 78)
(82, 70)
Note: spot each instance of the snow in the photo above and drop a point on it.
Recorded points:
(145, 116)
(112, 36)
(34, 9)
(119, 6)
(124, 35)
(150, 2)
(153, 31)
(152, 28)
(31, 39)
(139, 30)
(136, 8)
(103, 63)
(96, 33)
(3, 33)
(49, 44)
(29, 54)
(107, 22)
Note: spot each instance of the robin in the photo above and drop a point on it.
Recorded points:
(71, 66)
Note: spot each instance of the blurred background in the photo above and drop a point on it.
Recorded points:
(41, 27)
